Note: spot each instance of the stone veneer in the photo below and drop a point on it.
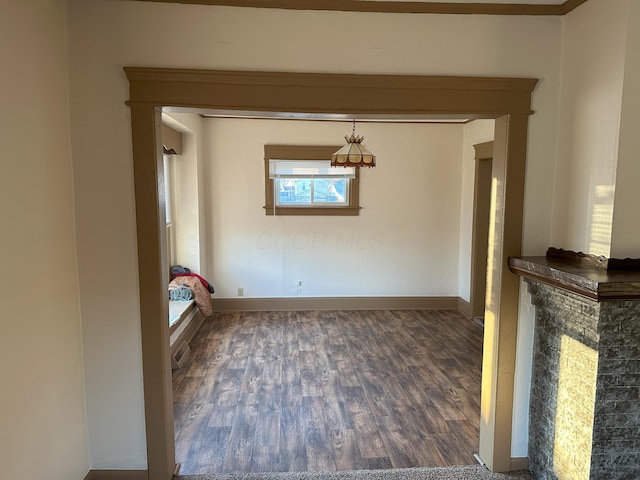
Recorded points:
(585, 393)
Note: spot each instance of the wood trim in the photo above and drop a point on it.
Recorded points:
(117, 475)
(483, 151)
(299, 152)
(484, 97)
(475, 97)
(501, 309)
(519, 463)
(188, 311)
(172, 139)
(549, 280)
(334, 303)
(193, 327)
(571, 5)
(265, 116)
(307, 152)
(578, 258)
(595, 283)
(480, 230)
(395, 7)
(590, 260)
(465, 308)
(154, 297)
(195, 322)
(185, 337)
(312, 211)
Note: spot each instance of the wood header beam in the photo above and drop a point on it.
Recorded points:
(364, 94)
(447, 8)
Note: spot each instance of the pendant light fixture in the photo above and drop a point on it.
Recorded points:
(353, 154)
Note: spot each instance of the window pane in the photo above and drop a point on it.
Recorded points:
(329, 190)
(312, 191)
(294, 191)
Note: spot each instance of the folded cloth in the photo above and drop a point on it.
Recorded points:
(181, 293)
(206, 284)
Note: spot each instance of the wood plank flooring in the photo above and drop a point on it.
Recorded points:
(329, 390)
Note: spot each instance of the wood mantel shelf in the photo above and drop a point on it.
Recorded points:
(582, 274)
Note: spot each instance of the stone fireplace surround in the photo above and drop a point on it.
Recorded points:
(584, 418)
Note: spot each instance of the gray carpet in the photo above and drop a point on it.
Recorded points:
(475, 472)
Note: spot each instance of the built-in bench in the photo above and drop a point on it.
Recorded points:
(184, 321)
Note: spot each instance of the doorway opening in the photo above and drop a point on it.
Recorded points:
(480, 229)
(507, 100)
(214, 415)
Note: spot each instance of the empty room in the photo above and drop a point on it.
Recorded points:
(370, 332)
(343, 338)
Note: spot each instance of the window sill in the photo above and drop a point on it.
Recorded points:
(312, 211)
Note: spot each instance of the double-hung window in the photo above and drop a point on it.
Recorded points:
(299, 180)
(299, 183)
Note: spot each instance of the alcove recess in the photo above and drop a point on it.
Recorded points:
(585, 390)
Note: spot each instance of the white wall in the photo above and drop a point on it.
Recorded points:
(404, 242)
(597, 154)
(106, 35)
(593, 49)
(43, 423)
(478, 131)
(188, 192)
(625, 235)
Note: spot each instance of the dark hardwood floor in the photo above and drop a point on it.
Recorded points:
(303, 391)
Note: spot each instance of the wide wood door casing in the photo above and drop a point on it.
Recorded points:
(508, 100)
(480, 230)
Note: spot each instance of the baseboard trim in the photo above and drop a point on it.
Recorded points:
(117, 475)
(519, 463)
(465, 307)
(334, 303)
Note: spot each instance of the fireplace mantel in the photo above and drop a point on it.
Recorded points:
(584, 421)
(585, 275)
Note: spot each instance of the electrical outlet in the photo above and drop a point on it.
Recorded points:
(297, 289)
(240, 291)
